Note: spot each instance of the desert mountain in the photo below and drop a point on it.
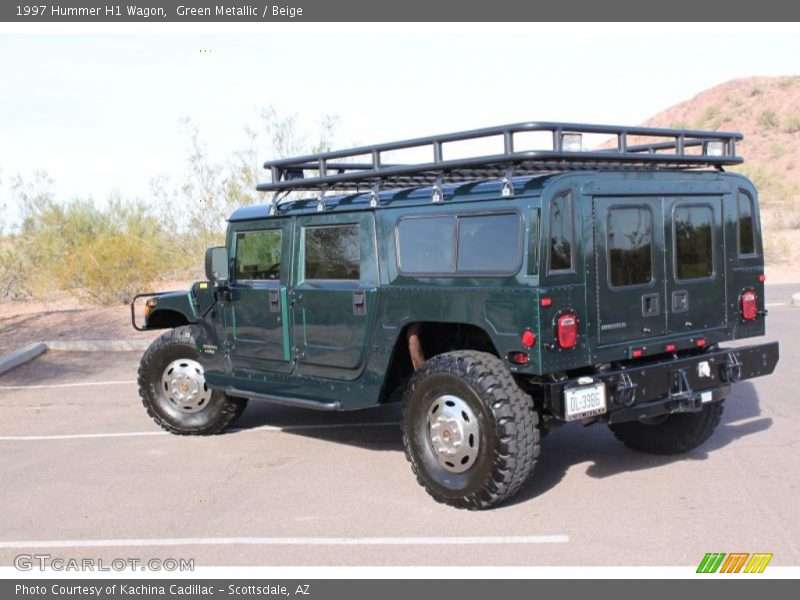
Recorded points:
(767, 111)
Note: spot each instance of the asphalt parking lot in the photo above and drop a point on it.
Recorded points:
(84, 472)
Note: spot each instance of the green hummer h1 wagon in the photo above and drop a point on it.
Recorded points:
(496, 295)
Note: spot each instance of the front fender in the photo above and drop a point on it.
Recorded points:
(173, 309)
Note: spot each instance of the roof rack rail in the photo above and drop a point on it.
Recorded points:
(363, 169)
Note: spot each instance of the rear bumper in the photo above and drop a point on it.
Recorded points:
(669, 385)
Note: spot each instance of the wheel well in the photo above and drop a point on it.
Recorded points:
(435, 338)
(166, 319)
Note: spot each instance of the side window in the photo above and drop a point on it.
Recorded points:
(630, 246)
(332, 252)
(694, 250)
(561, 228)
(488, 243)
(746, 224)
(258, 255)
(533, 243)
(425, 245)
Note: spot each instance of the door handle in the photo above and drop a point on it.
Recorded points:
(359, 303)
(650, 305)
(274, 301)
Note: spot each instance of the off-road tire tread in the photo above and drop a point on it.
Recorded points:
(184, 336)
(515, 419)
(678, 434)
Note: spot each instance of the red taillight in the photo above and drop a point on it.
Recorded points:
(637, 353)
(528, 339)
(518, 358)
(701, 342)
(546, 301)
(749, 305)
(762, 278)
(567, 330)
(669, 348)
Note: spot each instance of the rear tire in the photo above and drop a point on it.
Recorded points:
(675, 434)
(173, 389)
(470, 433)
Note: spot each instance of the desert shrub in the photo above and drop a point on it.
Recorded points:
(110, 268)
(776, 149)
(772, 185)
(104, 255)
(776, 248)
(785, 216)
(792, 124)
(768, 119)
(107, 254)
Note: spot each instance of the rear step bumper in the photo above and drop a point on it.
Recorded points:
(669, 385)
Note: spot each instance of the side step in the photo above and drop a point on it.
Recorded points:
(284, 400)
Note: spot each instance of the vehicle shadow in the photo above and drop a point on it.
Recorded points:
(566, 447)
(596, 444)
(374, 429)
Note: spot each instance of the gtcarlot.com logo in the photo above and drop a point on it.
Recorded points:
(735, 562)
(29, 562)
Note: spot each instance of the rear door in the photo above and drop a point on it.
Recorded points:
(696, 281)
(629, 238)
(334, 298)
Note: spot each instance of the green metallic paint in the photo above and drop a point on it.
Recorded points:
(333, 355)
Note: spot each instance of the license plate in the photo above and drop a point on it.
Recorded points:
(585, 401)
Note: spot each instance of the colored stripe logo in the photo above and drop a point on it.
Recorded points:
(735, 562)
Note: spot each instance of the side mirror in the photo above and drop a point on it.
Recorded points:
(217, 264)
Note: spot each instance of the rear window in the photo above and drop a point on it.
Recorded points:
(332, 252)
(630, 246)
(459, 244)
(694, 250)
(746, 225)
(488, 243)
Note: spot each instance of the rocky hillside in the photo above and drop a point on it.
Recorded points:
(767, 111)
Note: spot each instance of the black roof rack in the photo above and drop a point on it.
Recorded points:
(361, 169)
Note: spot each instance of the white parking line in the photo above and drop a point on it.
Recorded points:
(64, 385)
(318, 426)
(290, 541)
(270, 428)
(78, 436)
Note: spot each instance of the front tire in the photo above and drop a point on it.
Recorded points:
(674, 434)
(470, 433)
(174, 392)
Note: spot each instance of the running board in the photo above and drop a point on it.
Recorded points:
(284, 400)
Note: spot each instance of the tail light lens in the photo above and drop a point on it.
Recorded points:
(567, 330)
(749, 305)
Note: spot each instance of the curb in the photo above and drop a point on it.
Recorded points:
(99, 345)
(20, 357)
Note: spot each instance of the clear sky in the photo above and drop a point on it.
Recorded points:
(99, 108)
